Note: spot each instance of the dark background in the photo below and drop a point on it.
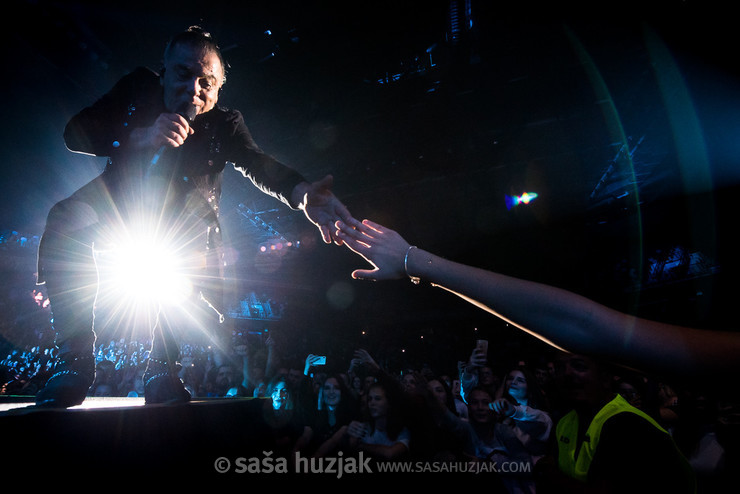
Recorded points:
(622, 118)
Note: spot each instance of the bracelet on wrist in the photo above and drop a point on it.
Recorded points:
(414, 279)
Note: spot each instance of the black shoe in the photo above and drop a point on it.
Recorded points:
(69, 384)
(162, 384)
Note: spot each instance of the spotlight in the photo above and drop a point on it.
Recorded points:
(143, 271)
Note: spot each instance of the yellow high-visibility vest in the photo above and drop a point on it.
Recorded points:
(575, 461)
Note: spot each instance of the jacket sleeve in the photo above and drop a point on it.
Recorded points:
(103, 128)
(266, 173)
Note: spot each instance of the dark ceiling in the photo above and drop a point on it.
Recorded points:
(428, 114)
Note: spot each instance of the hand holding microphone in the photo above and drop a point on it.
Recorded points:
(171, 129)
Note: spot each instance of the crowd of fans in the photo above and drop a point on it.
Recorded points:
(493, 405)
(489, 408)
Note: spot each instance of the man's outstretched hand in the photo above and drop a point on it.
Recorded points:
(322, 208)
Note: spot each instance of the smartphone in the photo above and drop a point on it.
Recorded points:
(482, 345)
(320, 360)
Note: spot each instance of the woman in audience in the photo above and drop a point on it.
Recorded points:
(524, 427)
(383, 434)
(336, 409)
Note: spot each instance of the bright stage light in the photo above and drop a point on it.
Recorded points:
(152, 271)
(144, 271)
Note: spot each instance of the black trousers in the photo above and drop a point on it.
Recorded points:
(83, 230)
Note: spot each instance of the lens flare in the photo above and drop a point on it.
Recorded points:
(525, 198)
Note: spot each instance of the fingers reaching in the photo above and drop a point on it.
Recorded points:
(323, 208)
(382, 247)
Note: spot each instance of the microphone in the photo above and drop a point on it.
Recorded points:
(188, 113)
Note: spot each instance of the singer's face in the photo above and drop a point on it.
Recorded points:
(192, 76)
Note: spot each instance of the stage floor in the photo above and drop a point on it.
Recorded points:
(18, 403)
(125, 436)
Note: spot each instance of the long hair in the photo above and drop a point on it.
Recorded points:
(347, 408)
(535, 395)
(395, 421)
(272, 385)
(449, 397)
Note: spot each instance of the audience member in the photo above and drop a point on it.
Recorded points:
(482, 440)
(478, 372)
(289, 431)
(383, 434)
(460, 407)
(222, 379)
(604, 444)
(132, 385)
(336, 408)
(524, 426)
(438, 429)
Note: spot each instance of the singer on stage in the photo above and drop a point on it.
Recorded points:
(167, 143)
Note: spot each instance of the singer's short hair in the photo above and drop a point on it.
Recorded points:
(197, 37)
